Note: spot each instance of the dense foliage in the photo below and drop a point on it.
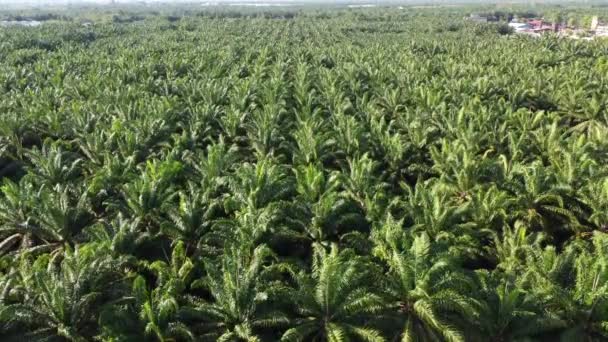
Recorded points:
(340, 176)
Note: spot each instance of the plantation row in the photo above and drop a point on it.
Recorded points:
(356, 176)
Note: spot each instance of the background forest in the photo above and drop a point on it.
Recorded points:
(346, 175)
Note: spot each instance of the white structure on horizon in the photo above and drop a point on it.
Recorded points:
(519, 27)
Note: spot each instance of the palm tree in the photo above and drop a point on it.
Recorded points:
(236, 283)
(590, 293)
(313, 141)
(512, 246)
(16, 207)
(176, 273)
(508, 313)
(426, 296)
(428, 209)
(42, 220)
(159, 308)
(264, 131)
(334, 302)
(51, 299)
(363, 186)
(190, 222)
(349, 133)
(488, 208)
(320, 209)
(254, 186)
(158, 311)
(462, 168)
(596, 198)
(60, 218)
(122, 235)
(53, 165)
(145, 197)
(572, 285)
(155, 313)
(541, 202)
(213, 167)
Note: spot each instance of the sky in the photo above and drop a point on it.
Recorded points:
(107, 2)
(62, 2)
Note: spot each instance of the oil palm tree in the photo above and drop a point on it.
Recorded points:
(429, 209)
(256, 185)
(322, 213)
(313, 141)
(238, 286)
(61, 300)
(572, 285)
(541, 202)
(191, 221)
(57, 220)
(145, 197)
(334, 302)
(512, 246)
(364, 187)
(53, 165)
(157, 310)
(510, 314)
(426, 296)
(16, 207)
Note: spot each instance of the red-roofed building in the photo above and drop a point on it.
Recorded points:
(536, 23)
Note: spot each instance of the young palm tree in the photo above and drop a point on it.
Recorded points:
(256, 186)
(596, 198)
(154, 313)
(334, 303)
(191, 221)
(58, 219)
(122, 235)
(264, 131)
(145, 197)
(592, 115)
(573, 286)
(239, 293)
(541, 202)
(349, 133)
(63, 212)
(213, 167)
(509, 314)
(320, 209)
(364, 187)
(590, 293)
(428, 209)
(16, 207)
(51, 299)
(426, 296)
(53, 165)
(313, 141)
(512, 246)
(158, 311)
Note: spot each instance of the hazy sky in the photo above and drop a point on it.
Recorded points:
(105, 2)
(60, 2)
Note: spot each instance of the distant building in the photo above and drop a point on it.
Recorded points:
(594, 23)
(601, 31)
(535, 23)
(478, 18)
(537, 27)
(28, 23)
(519, 27)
